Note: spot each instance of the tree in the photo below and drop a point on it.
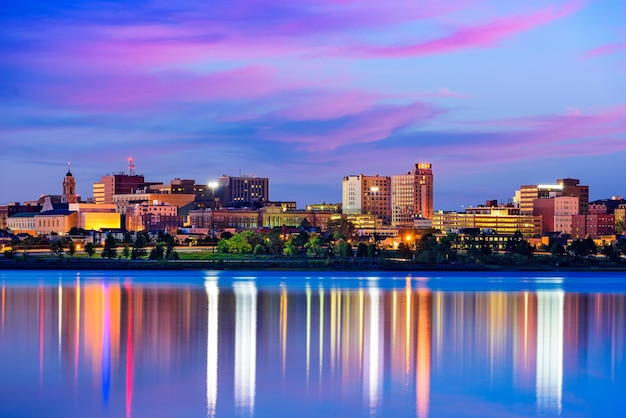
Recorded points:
(371, 250)
(361, 250)
(276, 244)
(404, 251)
(139, 250)
(518, 245)
(90, 249)
(259, 249)
(71, 249)
(341, 229)
(290, 249)
(427, 249)
(610, 252)
(109, 250)
(314, 246)
(238, 244)
(222, 246)
(126, 251)
(56, 248)
(557, 249)
(343, 248)
(590, 246)
(158, 252)
(227, 235)
(619, 226)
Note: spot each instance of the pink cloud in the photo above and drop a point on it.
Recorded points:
(371, 125)
(605, 50)
(479, 36)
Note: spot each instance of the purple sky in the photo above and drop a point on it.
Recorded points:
(494, 94)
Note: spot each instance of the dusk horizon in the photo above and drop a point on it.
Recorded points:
(493, 95)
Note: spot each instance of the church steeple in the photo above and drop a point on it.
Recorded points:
(69, 187)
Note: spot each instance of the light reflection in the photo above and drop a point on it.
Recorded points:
(212, 293)
(245, 347)
(549, 351)
(383, 348)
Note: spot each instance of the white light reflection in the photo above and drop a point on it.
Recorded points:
(375, 353)
(549, 351)
(212, 293)
(60, 314)
(245, 347)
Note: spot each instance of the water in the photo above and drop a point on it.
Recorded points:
(196, 344)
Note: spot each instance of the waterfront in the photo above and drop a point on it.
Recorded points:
(205, 343)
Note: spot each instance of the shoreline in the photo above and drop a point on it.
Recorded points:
(290, 264)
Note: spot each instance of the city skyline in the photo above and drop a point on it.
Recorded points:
(493, 95)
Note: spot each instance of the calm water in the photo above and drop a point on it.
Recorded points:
(196, 344)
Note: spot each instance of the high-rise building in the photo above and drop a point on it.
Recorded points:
(563, 187)
(412, 196)
(376, 196)
(69, 187)
(115, 184)
(368, 195)
(242, 191)
(570, 187)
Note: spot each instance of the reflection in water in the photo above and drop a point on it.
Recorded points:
(549, 351)
(245, 347)
(139, 349)
(212, 293)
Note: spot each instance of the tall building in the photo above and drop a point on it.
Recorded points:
(563, 187)
(412, 196)
(376, 196)
(115, 184)
(570, 187)
(242, 191)
(351, 195)
(69, 187)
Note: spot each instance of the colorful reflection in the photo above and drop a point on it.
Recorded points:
(235, 348)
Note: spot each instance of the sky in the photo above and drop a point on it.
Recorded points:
(495, 94)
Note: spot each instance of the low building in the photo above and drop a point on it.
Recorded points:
(22, 223)
(593, 226)
(501, 220)
(56, 221)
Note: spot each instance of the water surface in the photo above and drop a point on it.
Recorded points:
(196, 344)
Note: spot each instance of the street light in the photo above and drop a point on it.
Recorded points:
(213, 185)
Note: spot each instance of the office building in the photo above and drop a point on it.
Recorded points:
(412, 196)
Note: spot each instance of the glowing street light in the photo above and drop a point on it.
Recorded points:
(213, 185)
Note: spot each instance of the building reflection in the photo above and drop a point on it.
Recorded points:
(372, 344)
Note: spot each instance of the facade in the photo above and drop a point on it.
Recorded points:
(324, 207)
(155, 216)
(94, 217)
(412, 196)
(244, 218)
(497, 220)
(56, 221)
(593, 226)
(564, 208)
(23, 222)
(69, 188)
(273, 216)
(351, 201)
(115, 184)
(530, 193)
(242, 191)
(563, 187)
(376, 197)
(122, 201)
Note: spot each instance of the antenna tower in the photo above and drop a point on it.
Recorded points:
(131, 166)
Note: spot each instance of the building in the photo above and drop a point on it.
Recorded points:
(243, 191)
(94, 217)
(528, 194)
(153, 216)
(498, 220)
(592, 225)
(55, 221)
(324, 207)
(271, 217)
(351, 201)
(571, 187)
(69, 187)
(121, 183)
(556, 213)
(412, 196)
(22, 223)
